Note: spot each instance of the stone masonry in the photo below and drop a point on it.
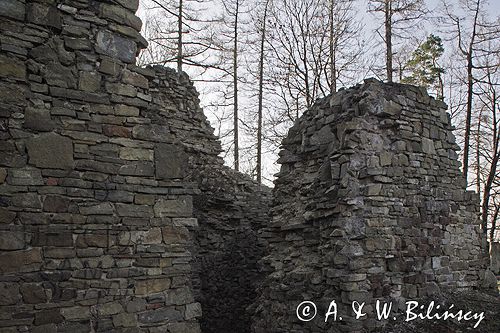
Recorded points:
(369, 204)
(229, 206)
(116, 213)
(94, 222)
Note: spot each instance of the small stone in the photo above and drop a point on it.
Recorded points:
(3, 175)
(59, 239)
(175, 235)
(185, 222)
(125, 320)
(144, 199)
(428, 146)
(110, 66)
(391, 108)
(489, 280)
(56, 204)
(119, 131)
(151, 286)
(9, 293)
(12, 94)
(126, 110)
(11, 67)
(58, 75)
(130, 210)
(104, 208)
(108, 309)
(139, 168)
(121, 89)
(179, 296)
(44, 15)
(385, 158)
(152, 236)
(152, 132)
(136, 305)
(121, 15)
(116, 46)
(135, 79)
(132, 5)
(38, 119)
(134, 154)
(33, 293)
(11, 240)
(193, 310)
(20, 261)
(13, 8)
(75, 312)
(25, 177)
(92, 240)
(50, 150)
(6, 216)
(170, 161)
(27, 200)
(160, 315)
(181, 207)
(373, 189)
(47, 328)
(48, 316)
(120, 196)
(183, 327)
(89, 81)
(323, 136)
(80, 44)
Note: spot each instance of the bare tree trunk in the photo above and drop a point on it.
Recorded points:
(261, 93)
(235, 89)
(470, 92)
(468, 116)
(388, 38)
(493, 167)
(478, 155)
(494, 224)
(179, 39)
(333, 70)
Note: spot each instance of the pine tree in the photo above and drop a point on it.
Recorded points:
(424, 67)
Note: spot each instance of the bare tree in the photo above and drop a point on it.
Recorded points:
(228, 44)
(261, 90)
(399, 16)
(464, 31)
(488, 152)
(189, 43)
(345, 42)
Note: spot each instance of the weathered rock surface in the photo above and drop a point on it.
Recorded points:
(369, 204)
(116, 213)
(80, 246)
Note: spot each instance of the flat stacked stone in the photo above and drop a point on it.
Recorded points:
(230, 208)
(369, 204)
(96, 213)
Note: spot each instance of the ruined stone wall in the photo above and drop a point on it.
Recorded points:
(369, 204)
(93, 211)
(495, 257)
(117, 214)
(229, 206)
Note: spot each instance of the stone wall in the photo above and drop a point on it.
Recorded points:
(117, 214)
(94, 213)
(229, 206)
(495, 257)
(369, 204)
